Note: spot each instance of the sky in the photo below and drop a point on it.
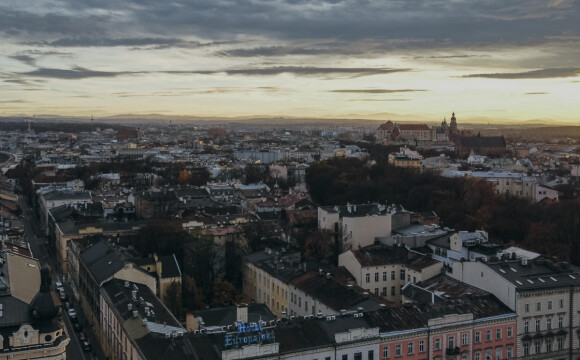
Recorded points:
(486, 60)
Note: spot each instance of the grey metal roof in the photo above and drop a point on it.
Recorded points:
(101, 261)
(537, 274)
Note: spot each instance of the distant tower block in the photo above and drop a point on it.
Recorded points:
(29, 121)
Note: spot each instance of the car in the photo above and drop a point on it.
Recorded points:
(76, 326)
(58, 286)
(66, 305)
(72, 312)
(62, 295)
(82, 337)
(74, 319)
(86, 346)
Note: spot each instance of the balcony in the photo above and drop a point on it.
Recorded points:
(452, 351)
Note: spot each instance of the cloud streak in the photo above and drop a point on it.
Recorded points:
(533, 74)
(375, 91)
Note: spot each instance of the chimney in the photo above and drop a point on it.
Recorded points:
(242, 313)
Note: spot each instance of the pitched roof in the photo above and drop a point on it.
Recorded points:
(378, 255)
(227, 315)
(101, 261)
(170, 266)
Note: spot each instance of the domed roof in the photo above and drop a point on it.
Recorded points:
(42, 306)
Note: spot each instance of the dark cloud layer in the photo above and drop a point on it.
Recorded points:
(534, 74)
(397, 23)
(78, 72)
(73, 74)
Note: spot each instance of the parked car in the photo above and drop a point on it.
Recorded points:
(76, 326)
(58, 286)
(62, 295)
(72, 312)
(67, 305)
(87, 346)
(82, 337)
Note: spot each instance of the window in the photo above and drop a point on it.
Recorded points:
(368, 277)
(526, 348)
(437, 344)
(510, 352)
(327, 358)
(478, 337)
(384, 276)
(305, 305)
(376, 291)
(538, 306)
(498, 334)
(488, 335)
(549, 304)
(509, 332)
(384, 292)
(498, 353)
(478, 356)
(358, 356)
(538, 324)
(414, 279)
(549, 323)
(526, 326)
(376, 276)
(398, 350)
(410, 348)
(560, 321)
(537, 346)
(527, 307)
(393, 291)
(560, 343)
(421, 346)
(371, 355)
(386, 352)
(464, 339)
(548, 344)
(561, 303)
(451, 342)
(402, 274)
(344, 357)
(393, 275)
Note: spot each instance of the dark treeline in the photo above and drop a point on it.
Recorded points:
(461, 203)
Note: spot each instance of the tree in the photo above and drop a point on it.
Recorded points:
(224, 293)
(183, 177)
(173, 299)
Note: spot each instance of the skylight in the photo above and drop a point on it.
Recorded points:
(519, 282)
(553, 278)
(572, 276)
(542, 280)
(530, 281)
(512, 269)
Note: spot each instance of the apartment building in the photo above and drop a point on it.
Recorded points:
(544, 294)
(356, 225)
(384, 270)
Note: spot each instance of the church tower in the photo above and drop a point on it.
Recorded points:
(453, 124)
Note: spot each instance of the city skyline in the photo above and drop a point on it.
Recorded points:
(400, 60)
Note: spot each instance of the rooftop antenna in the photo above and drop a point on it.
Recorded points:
(92, 120)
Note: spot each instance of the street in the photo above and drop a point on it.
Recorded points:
(45, 257)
